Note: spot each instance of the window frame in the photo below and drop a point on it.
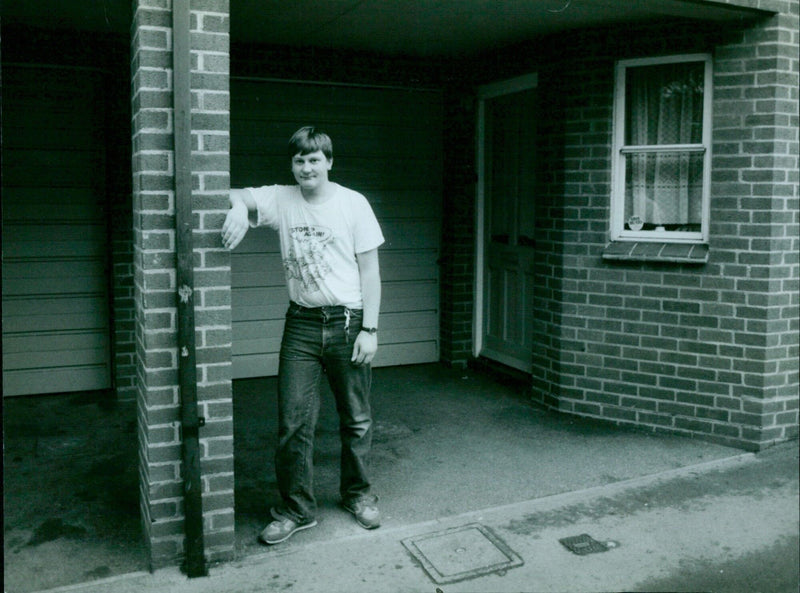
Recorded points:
(618, 232)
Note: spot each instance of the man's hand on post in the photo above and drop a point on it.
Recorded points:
(235, 226)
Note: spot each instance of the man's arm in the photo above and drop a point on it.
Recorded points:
(237, 222)
(369, 270)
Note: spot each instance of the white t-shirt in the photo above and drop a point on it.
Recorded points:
(319, 243)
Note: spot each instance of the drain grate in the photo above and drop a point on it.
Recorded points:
(584, 544)
(461, 553)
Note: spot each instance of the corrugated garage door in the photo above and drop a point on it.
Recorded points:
(387, 144)
(55, 295)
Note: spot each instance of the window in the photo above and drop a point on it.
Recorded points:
(662, 134)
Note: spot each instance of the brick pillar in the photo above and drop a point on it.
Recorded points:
(458, 231)
(158, 395)
(755, 218)
(120, 241)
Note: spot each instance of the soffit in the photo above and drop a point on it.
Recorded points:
(412, 27)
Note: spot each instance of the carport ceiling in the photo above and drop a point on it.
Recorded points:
(439, 27)
(414, 27)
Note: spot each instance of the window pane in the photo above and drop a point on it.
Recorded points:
(664, 190)
(664, 104)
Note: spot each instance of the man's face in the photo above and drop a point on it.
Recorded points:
(311, 170)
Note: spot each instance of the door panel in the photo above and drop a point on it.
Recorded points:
(55, 286)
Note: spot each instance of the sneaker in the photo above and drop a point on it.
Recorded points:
(282, 528)
(365, 511)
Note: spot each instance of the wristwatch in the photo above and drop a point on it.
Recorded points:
(370, 330)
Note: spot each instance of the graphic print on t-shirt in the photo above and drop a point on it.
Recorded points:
(307, 260)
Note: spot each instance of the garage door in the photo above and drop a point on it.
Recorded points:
(387, 145)
(55, 297)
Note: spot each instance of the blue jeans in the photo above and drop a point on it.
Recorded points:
(320, 340)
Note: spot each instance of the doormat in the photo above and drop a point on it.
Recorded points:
(584, 544)
(461, 553)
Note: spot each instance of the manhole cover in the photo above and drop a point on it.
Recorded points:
(584, 544)
(461, 553)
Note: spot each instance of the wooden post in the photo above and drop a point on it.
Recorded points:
(187, 371)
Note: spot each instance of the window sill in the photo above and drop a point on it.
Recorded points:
(682, 253)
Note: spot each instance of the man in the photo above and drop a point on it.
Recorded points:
(329, 244)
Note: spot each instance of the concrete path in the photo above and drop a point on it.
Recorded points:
(725, 525)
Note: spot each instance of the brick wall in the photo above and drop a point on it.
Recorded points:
(707, 350)
(155, 276)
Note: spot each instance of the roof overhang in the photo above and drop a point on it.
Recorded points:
(411, 27)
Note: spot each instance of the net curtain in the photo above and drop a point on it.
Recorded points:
(665, 107)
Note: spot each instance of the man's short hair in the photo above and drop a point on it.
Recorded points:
(310, 139)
